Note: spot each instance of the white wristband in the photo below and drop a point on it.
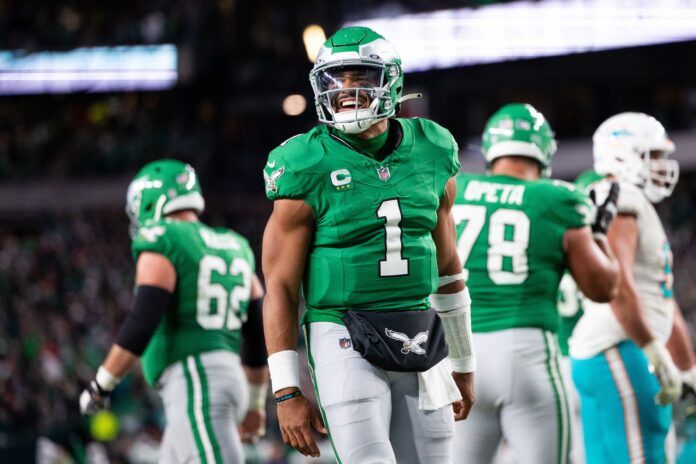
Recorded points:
(106, 380)
(454, 310)
(257, 396)
(284, 370)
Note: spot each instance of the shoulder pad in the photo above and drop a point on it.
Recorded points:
(286, 174)
(631, 199)
(152, 237)
(435, 133)
(567, 203)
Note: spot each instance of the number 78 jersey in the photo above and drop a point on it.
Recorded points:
(510, 239)
(214, 269)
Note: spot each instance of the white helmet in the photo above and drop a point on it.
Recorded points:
(626, 145)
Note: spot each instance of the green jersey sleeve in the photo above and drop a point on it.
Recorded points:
(441, 137)
(588, 178)
(281, 180)
(291, 168)
(573, 208)
(152, 238)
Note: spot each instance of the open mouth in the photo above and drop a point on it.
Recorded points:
(351, 104)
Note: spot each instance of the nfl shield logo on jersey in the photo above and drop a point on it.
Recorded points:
(383, 173)
(344, 343)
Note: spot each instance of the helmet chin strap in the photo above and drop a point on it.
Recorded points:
(410, 96)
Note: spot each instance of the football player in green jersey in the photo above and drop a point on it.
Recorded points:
(361, 220)
(570, 310)
(518, 231)
(196, 312)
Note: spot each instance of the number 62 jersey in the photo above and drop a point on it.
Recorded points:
(214, 268)
(372, 247)
(510, 239)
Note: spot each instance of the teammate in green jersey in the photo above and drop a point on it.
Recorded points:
(518, 232)
(197, 309)
(361, 219)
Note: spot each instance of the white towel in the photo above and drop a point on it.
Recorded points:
(436, 387)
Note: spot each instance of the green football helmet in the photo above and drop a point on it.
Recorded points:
(357, 80)
(160, 188)
(518, 129)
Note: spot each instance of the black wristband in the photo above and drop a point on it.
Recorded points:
(288, 396)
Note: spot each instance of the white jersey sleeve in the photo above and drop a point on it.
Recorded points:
(631, 199)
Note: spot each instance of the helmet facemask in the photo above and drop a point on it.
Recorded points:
(634, 148)
(352, 95)
(662, 175)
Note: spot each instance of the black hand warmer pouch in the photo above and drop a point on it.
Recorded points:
(403, 341)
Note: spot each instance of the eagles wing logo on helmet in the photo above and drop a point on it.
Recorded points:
(410, 345)
(271, 180)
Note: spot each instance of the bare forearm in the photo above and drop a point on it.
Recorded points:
(679, 344)
(592, 264)
(256, 375)
(626, 307)
(452, 267)
(119, 361)
(280, 321)
(611, 264)
(445, 238)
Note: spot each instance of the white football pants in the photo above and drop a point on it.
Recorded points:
(577, 449)
(205, 397)
(520, 395)
(372, 415)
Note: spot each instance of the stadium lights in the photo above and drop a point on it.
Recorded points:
(89, 69)
(313, 38)
(530, 29)
(294, 105)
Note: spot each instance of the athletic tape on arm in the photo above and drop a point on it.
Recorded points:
(284, 371)
(446, 280)
(455, 311)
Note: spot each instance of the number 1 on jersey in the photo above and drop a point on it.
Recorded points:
(394, 264)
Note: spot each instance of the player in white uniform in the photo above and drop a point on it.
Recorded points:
(625, 375)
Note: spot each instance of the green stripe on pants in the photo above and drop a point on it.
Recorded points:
(192, 418)
(566, 406)
(206, 409)
(316, 390)
(559, 398)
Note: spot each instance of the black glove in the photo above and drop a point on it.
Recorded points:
(606, 212)
(93, 399)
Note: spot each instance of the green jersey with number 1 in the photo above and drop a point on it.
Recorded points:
(214, 268)
(372, 247)
(510, 238)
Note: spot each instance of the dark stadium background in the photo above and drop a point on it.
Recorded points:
(65, 161)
